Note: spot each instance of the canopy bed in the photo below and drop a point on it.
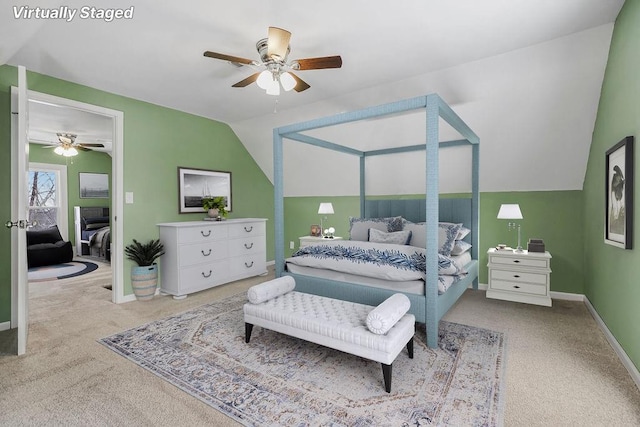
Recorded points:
(424, 216)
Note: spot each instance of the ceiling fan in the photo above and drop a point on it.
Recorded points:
(277, 70)
(67, 145)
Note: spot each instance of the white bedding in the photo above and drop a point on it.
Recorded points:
(389, 266)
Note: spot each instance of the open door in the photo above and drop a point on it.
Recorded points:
(19, 210)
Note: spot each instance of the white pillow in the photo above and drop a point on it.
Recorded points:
(265, 291)
(396, 237)
(383, 317)
(460, 247)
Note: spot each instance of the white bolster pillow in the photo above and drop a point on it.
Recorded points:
(383, 317)
(265, 291)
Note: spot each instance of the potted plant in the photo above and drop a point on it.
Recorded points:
(144, 278)
(215, 206)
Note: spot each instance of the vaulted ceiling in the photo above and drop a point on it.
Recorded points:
(157, 55)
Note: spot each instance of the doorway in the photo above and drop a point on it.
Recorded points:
(67, 108)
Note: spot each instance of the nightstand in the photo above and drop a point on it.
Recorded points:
(520, 277)
(310, 240)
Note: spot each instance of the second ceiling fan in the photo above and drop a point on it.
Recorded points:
(274, 53)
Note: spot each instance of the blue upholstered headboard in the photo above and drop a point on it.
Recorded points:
(414, 210)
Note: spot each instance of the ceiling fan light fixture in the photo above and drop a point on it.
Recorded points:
(265, 79)
(59, 150)
(287, 81)
(274, 88)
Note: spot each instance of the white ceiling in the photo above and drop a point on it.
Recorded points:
(390, 51)
(157, 56)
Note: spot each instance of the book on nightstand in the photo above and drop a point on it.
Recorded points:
(504, 248)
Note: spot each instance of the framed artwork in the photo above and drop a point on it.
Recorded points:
(316, 231)
(94, 185)
(619, 194)
(195, 184)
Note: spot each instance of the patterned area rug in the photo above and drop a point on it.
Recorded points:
(60, 271)
(278, 380)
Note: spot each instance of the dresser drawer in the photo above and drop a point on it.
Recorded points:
(247, 229)
(519, 262)
(201, 276)
(519, 277)
(247, 266)
(199, 253)
(201, 234)
(251, 245)
(517, 287)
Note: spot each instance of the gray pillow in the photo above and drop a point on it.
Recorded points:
(395, 237)
(447, 233)
(359, 227)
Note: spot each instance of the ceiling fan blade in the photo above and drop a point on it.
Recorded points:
(319, 63)
(242, 83)
(91, 145)
(229, 58)
(278, 43)
(300, 84)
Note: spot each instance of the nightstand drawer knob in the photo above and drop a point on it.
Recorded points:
(516, 286)
(516, 261)
(516, 276)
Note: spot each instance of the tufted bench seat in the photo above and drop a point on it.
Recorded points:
(374, 333)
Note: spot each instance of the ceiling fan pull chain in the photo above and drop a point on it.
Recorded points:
(275, 107)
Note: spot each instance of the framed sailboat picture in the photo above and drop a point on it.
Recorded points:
(196, 184)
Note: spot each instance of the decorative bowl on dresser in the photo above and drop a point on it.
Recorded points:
(202, 254)
(520, 276)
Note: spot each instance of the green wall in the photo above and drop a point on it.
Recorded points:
(554, 216)
(611, 280)
(85, 161)
(157, 140)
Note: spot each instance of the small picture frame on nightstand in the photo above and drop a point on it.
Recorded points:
(316, 231)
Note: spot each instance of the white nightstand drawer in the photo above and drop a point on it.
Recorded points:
(516, 287)
(519, 276)
(519, 261)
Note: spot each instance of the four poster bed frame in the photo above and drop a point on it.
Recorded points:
(430, 307)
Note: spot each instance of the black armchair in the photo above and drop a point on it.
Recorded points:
(46, 247)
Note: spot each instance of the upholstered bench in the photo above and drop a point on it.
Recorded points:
(374, 333)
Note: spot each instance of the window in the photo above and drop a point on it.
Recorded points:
(46, 196)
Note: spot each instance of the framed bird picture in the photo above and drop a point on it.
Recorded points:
(619, 194)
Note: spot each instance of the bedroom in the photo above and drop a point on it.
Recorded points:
(577, 207)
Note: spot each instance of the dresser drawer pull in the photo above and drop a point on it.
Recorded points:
(516, 261)
(206, 276)
(248, 246)
(205, 235)
(249, 230)
(516, 286)
(516, 276)
(207, 254)
(248, 265)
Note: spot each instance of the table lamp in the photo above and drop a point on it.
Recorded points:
(324, 209)
(511, 211)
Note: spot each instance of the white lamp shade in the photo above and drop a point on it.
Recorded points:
(510, 211)
(325, 208)
(59, 150)
(287, 81)
(274, 88)
(264, 79)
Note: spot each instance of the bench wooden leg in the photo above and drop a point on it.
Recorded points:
(386, 373)
(410, 348)
(248, 327)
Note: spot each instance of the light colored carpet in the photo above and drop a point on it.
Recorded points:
(560, 370)
(277, 380)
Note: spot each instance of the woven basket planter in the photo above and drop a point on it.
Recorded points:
(144, 281)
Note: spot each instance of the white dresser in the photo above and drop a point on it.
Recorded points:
(202, 254)
(520, 277)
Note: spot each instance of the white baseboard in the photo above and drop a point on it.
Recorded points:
(567, 296)
(622, 355)
(5, 326)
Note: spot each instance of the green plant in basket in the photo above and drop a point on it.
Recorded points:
(144, 254)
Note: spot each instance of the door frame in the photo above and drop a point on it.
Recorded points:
(117, 186)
